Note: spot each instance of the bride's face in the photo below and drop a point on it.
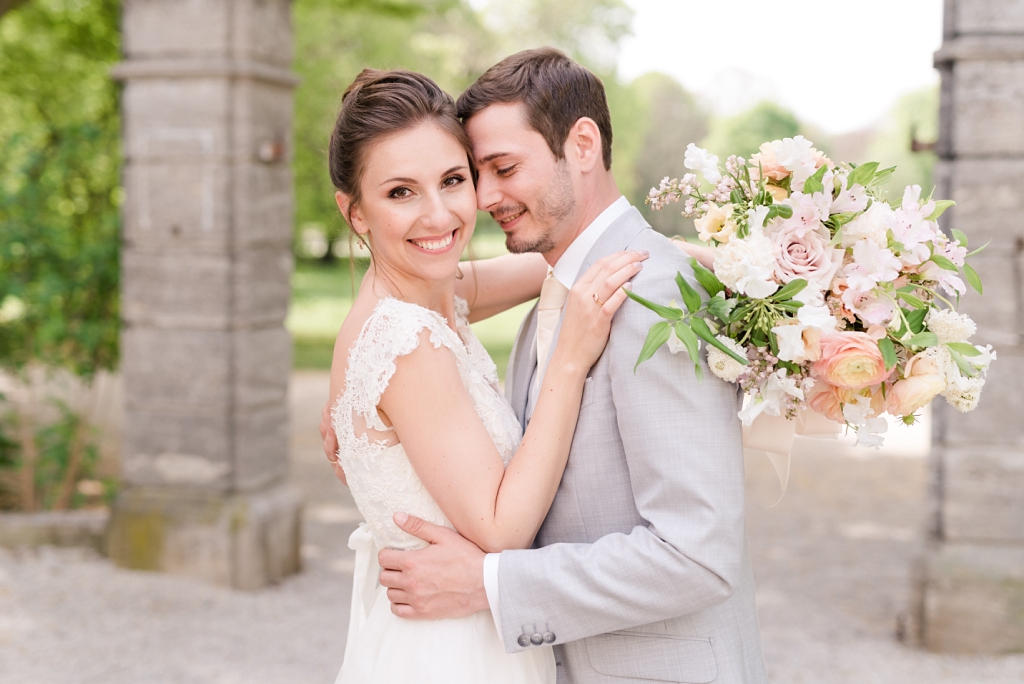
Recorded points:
(418, 204)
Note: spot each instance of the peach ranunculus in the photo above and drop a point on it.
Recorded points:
(850, 360)
(828, 400)
(922, 380)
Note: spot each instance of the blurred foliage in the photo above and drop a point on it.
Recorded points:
(67, 453)
(59, 185)
(743, 133)
(915, 115)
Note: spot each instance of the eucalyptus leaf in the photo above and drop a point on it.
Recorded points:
(916, 320)
(882, 176)
(945, 263)
(656, 336)
(980, 249)
(721, 308)
(707, 279)
(787, 291)
(912, 300)
(814, 184)
(959, 237)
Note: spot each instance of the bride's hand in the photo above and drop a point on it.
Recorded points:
(592, 302)
(705, 256)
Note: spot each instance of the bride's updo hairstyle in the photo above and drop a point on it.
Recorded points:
(379, 104)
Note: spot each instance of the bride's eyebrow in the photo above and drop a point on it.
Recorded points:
(455, 168)
(398, 180)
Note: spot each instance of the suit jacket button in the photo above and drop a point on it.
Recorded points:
(524, 640)
(536, 639)
(549, 637)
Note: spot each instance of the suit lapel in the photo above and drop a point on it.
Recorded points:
(614, 239)
(522, 362)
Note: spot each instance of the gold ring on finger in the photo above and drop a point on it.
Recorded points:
(597, 300)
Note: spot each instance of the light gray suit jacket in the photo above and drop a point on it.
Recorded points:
(640, 570)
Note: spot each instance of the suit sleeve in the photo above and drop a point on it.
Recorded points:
(682, 443)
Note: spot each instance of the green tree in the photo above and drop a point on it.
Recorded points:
(59, 196)
(915, 115)
(743, 133)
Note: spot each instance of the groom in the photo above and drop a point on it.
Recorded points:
(640, 570)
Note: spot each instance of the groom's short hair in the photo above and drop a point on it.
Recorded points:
(555, 90)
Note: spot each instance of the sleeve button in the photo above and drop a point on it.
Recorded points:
(549, 637)
(524, 640)
(536, 639)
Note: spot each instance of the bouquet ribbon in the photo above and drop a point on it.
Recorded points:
(773, 435)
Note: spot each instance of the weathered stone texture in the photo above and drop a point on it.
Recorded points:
(206, 263)
(982, 494)
(989, 16)
(988, 104)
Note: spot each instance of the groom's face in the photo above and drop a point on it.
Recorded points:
(522, 185)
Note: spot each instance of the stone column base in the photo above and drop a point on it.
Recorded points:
(245, 541)
(971, 598)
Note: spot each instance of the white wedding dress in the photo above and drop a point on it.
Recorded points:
(383, 648)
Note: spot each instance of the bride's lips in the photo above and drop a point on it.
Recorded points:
(435, 245)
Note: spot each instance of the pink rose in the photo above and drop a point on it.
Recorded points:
(828, 401)
(921, 381)
(803, 253)
(850, 360)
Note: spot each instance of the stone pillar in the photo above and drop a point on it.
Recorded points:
(971, 581)
(206, 259)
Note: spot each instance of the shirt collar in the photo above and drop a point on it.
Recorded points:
(569, 264)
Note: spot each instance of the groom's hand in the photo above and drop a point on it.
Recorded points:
(443, 580)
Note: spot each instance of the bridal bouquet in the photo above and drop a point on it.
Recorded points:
(825, 298)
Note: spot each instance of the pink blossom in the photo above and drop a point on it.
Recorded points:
(803, 253)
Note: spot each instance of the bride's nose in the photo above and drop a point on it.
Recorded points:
(436, 212)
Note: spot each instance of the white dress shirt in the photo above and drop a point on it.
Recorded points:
(565, 271)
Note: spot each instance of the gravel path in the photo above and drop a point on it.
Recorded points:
(831, 562)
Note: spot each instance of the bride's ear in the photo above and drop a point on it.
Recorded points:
(350, 210)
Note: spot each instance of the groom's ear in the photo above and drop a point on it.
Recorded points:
(583, 145)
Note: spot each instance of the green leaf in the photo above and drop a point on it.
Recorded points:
(721, 308)
(814, 184)
(912, 300)
(940, 207)
(959, 237)
(690, 297)
(944, 263)
(922, 339)
(980, 248)
(668, 312)
(863, 174)
(973, 279)
(791, 288)
(689, 340)
(964, 348)
(707, 279)
(882, 176)
(916, 320)
(700, 327)
(888, 352)
(656, 336)
(965, 366)
(783, 210)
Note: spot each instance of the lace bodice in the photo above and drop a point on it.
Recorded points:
(380, 477)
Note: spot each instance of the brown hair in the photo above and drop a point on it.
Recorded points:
(378, 104)
(556, 91)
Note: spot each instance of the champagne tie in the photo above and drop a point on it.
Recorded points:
(549, 309)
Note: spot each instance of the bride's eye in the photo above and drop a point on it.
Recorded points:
(401, 192)
(452, 181)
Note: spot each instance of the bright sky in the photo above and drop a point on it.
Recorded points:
(838, 64)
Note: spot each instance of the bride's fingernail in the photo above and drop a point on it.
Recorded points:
(401, 517)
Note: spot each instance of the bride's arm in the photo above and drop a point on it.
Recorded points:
(436, 421)
(491, 286)
(705, 256)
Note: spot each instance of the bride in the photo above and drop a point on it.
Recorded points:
(421, 424)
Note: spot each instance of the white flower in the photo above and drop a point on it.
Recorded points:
(724, 366)
(791, 342)
(857, 409)
(850, 200)
(675, 345)
(770, 399)
(944, 361)
(872, 225)
(949, 326)
(870, 434)
(746, 266)
(871, 265)
(985, 358)
(699, 159)
(815, 312)
(756, 216)
(963, 395)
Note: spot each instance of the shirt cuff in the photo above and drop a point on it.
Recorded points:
(491, 587)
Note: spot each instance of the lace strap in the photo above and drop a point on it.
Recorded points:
(393, 330)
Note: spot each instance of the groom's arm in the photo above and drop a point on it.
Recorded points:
(683, 448)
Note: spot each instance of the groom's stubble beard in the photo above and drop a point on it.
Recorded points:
(551, 210)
